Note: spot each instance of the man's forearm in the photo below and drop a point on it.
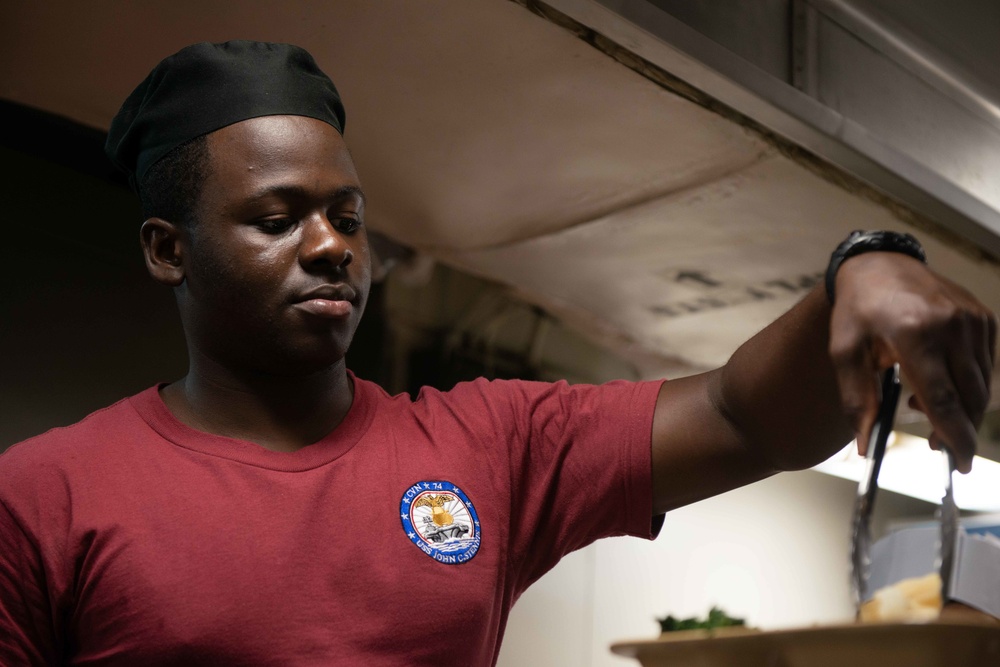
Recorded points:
(780, 391)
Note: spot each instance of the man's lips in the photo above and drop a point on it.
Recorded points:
(328, 301)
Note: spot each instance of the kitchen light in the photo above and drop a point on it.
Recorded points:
(911, 468)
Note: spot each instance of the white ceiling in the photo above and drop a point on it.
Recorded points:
(501, 144)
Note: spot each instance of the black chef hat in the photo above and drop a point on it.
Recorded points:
(205, 87)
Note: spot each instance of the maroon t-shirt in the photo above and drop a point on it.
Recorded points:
(402, 538)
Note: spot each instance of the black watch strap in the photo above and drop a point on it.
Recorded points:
(859, 242)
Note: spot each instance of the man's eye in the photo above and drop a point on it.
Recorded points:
(347, 225)
(275, 225)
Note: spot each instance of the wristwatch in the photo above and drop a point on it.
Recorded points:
(859, 241)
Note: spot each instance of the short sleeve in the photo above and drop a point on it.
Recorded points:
(26, 636)
(580, 468)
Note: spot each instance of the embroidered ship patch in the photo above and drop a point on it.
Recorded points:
(440, 520)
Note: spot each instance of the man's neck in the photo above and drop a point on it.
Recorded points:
(276, 412)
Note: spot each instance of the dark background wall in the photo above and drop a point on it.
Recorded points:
(81, 323)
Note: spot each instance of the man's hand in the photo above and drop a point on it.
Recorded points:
(890, 308)
(779, 402)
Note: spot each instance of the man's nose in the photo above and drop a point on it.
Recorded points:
(323, 245)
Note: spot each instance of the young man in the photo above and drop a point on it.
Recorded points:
(271, 508)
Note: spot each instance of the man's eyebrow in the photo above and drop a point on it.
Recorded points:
(343, 192)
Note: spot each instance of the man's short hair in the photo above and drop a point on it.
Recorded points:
(171, 188)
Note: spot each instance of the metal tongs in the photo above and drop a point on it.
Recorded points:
(861, 538)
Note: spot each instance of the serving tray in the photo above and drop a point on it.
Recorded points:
(936, 644)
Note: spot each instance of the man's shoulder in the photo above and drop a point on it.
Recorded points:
(485, 388)
(523, 391)
(98, 429)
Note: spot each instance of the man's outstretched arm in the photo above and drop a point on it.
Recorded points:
(800, 389)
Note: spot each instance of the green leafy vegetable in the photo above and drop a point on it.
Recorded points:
(716, 619)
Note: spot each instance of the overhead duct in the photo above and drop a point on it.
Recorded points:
(904, 96)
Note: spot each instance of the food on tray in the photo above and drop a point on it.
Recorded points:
(917, 599)
(914, 599)
(716, 619)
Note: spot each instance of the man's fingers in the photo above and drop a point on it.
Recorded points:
(969, 370)
(942, 402)
(860, 389)
(986, 350)
(982, 348)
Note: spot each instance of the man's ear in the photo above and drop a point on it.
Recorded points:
(163, 244)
